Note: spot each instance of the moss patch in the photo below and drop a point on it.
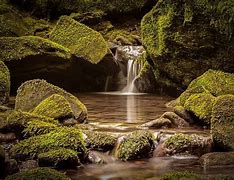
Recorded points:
(137, 144)
(33, 92)
(55, 106)
(80, 39)
(222, 122)
(40, 174)
(16, 48)
(69, 138)
(4, 83)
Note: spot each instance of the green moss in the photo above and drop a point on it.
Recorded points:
(35, 128)
(100, 141)
(16, 48)
(59, 158)
(80, 39)
(22, 119)
(185, 175)
(39, 174)
(201, 105)
(178, 141)
(64, 137)
(222, 122)
(55, 106)
(4, 83)
(137, 144)
(33, 92)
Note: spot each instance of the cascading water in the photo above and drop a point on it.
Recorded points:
(130, 54)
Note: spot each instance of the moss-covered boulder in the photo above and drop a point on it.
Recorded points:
(31, 93)
(55, 106)
(222, 122)
(4, 83)
(138, 144)
(217, 159)
(80, 39)
(186, 38)
(38, 173)
(69, 138)
(187, 144)
(100, 141)
(61, 158)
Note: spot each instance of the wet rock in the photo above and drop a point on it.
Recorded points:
(185, 144)
(182, 47)
(181, 175)
(55, 106)
(32, 93)
(217, 159)
(222, 122)
(70, 122)
(136, 145)
(4, 83)
(99, 158)
(60, 158)
(175, 119)
(7, 137)
(100, 141)
(158, 123)
(183, 113)
(63, 137)
(11, 167)
(39, 173)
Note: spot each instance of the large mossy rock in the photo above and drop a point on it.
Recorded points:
(69, 138)
(55, 8)
(136, 145)
(4, 83)
(222, 122)
(38, 173)
(80, 39)
(31, 93)
(185, 39)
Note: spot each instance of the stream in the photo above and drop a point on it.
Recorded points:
(120, 113)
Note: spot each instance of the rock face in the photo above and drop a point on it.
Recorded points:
(4, 83)
(183, 43)
(137, 144)
(222, 122)
(33, 92)
(81, 40)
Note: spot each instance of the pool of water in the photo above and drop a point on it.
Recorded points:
(121, 113)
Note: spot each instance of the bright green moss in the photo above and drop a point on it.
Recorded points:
(16, 48)
(186, 175)
(64, 137)
(59, 158)
(100, 141)
(33, 92)
(39, 174)
(222, 122)
(4, 83)
(178, 141)
(35, 128)
(137, 144)
(22, 119)
(80, 39)
(55, 106)
(201, 105)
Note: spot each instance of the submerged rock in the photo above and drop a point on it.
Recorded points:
(61, 158)
(39, 173)
(4, 83)
(136, 145)
(217, 159)
(183, 41)
(222, 122)
(31, 93)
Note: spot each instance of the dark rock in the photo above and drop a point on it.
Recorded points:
(28, 165)
(2, 161)
(11, 167)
